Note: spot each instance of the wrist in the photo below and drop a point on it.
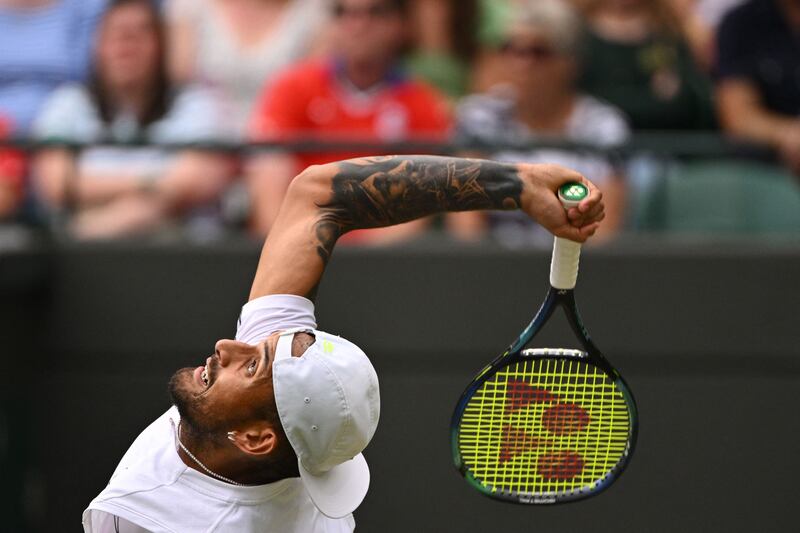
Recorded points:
(532, 176)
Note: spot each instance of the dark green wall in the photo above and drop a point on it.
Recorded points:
(706, 334)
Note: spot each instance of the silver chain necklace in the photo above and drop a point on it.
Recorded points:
(204, 467)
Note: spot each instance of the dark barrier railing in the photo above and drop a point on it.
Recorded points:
(663, 143)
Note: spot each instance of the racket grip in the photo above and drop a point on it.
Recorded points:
(567, 253)
(564, 264)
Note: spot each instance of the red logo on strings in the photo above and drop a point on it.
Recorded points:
(560, 419)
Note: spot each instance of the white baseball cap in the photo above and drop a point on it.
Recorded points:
(329, 404)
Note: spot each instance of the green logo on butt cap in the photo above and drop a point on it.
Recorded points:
(573, 192)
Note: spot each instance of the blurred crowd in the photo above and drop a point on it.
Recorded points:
(127, 80)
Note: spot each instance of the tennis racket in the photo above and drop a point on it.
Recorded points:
(546, 425)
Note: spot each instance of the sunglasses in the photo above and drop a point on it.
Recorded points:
(539, 52)
(373, 11)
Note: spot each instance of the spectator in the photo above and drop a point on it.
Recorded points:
(42, 44)
(637, 59)
(359, 94)
(700, 19)
(542, 103)
(445, 43)
(12, 174)
(119, 190)
(758, 75)
(235, 45)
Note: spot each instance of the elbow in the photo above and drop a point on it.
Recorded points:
(311, 187)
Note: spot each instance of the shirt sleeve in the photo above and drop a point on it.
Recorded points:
(733, 45)
(102, 522)
(67, 115)
(264, 316)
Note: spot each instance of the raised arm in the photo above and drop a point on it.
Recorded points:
(324, 202)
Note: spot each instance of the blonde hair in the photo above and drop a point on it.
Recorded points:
(556, 18)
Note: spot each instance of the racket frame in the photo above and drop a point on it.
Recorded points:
(564, 298)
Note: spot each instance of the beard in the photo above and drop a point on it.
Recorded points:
(197, 422)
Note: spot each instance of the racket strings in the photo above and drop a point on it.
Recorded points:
(544, 426)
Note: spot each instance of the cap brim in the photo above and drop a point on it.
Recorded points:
(340, 490)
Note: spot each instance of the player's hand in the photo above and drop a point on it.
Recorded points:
(540, 201)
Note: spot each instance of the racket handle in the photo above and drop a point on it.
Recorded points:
(567, 253)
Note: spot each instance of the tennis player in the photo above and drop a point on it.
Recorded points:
(267, 434)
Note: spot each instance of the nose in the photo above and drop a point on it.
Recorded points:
(229, 351)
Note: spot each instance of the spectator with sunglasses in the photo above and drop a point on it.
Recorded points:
(360, 93)
(540, 102)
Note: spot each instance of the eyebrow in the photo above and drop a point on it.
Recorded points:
(267, 362)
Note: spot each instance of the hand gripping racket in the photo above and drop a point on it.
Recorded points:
(546, 425)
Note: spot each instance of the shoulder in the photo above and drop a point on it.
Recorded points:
(598, 122)
(194, 114)
(748, 17)
(428, 106)
(70, 113)
(299, 81)
(419, 88)
(305, 73)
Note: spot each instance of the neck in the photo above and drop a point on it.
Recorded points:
(367, 73)
(225, 461)
(134, 98)
(547, 115)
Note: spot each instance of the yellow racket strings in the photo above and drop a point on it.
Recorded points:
(544, 426)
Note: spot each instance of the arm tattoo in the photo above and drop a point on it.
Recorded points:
(382, 191)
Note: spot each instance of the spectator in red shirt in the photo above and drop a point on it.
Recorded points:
(12, 173)
(360, 94)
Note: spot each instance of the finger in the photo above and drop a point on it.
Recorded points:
(574, 214)
(588, 231)
(595, 214)
(595, 197)
(572, 233)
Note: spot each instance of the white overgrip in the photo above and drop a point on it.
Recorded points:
(567, 253)
(564, 263)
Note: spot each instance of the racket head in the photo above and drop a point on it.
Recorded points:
(544, 426)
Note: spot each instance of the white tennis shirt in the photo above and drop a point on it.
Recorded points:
(153, 490)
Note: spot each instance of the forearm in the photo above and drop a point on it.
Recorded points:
(327, 201)
(376, 192)
(59, 179)
(743, 114)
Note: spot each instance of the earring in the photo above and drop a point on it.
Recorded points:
(231, 436)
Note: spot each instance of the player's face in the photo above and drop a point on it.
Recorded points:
(230, 389)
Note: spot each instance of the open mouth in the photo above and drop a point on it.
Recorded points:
(203, 374)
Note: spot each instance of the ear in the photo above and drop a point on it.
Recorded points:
(258, 439)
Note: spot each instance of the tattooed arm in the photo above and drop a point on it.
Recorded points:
(324, 202)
